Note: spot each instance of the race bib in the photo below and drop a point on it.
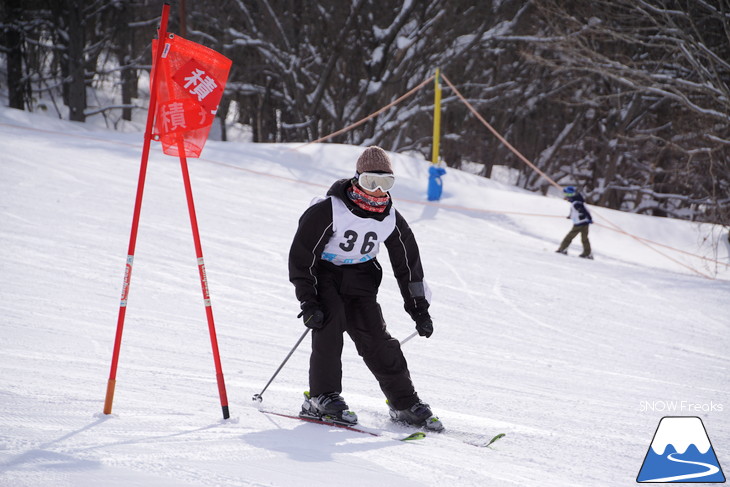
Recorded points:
(355, 239)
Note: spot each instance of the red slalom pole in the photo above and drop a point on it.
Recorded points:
(203, 278)
(161, 36)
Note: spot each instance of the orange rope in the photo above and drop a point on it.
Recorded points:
(372, 115)
(612, 226)
(497, 134)
(551, 181)
(642, 239)
(615, 228)
(644, 242)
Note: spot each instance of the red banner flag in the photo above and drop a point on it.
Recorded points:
(190, 88)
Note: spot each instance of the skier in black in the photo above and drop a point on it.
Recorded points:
(581, 220)
(336, 275)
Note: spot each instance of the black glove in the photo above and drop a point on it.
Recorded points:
(312, 316)
(424, 325)
(418, 309)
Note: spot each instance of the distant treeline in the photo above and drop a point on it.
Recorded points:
(627, 99)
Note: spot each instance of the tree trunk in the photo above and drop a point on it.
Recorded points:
(75, 61)
(125, 53)
(12, 40)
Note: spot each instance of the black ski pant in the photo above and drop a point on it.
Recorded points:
(362, 319)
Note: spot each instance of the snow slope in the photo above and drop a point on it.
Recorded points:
(561, 354)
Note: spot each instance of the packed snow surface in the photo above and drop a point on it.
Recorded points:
(575, 360)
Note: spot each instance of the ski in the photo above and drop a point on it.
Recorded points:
(418, 435)
(497, 437)
(475, 439)
(469, 438)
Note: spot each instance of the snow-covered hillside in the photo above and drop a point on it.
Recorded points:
(576, 361)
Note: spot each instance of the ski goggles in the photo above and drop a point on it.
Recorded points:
(375, 180)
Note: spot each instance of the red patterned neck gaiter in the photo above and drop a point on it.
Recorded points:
(367, 202)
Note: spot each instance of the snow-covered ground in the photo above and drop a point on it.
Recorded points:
(576, 361)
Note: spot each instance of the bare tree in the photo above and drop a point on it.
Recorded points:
(64, 49)
(629, 99)
(11, 41)
(310, 68)
(649, 80)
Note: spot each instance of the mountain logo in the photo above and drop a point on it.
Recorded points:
(681, 452)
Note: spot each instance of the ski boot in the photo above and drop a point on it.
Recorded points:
(329, 407)
(417, 415)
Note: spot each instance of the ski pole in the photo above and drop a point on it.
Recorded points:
(259, 397)
(408, 337)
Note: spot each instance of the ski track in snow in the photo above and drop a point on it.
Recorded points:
(555, 351)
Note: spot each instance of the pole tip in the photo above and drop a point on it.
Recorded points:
(257, 398)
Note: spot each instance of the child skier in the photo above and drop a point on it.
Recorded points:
(336, 275)
(581, 220)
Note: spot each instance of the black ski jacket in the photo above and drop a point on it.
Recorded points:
(307, 269)
(578, 211)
